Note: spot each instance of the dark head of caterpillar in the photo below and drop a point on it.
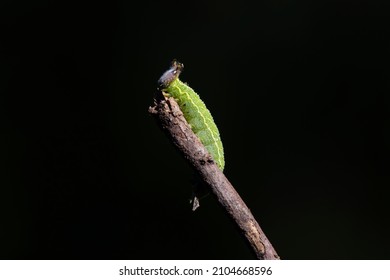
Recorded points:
(170, 75)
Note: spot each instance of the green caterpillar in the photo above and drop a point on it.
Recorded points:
(194, 111)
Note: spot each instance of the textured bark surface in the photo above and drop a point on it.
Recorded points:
(171, 120)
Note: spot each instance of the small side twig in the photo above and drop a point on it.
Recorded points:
(171, 120)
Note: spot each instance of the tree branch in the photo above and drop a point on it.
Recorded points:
(171, 120)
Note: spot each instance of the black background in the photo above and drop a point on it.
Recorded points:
(298, 89)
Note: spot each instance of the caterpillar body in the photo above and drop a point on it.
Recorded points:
(194, 111)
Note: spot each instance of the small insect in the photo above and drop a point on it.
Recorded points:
(194, 111)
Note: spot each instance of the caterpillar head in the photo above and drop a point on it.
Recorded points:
(170, 75)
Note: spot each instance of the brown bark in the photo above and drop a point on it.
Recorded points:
(171, 120)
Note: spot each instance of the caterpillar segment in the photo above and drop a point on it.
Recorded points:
(194, 110)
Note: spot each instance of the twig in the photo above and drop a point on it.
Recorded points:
(171, 120)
